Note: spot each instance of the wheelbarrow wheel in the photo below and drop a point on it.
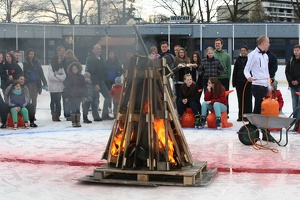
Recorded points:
(244, 137)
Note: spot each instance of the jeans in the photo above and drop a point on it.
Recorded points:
(55, 104)
(217, 106)
(295, 101)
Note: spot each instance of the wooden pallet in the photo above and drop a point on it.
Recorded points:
(186, 176)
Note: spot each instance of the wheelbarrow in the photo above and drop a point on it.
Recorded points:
(258, 122)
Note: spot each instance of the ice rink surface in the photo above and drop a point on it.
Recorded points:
(44, 162)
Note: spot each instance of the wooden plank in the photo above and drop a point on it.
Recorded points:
(142, 177)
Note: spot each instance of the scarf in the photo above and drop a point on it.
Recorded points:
(17, 92)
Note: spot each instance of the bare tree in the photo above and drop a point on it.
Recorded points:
(237, 10)
(12, 10)
(197, 10)
(296, 6)
(257, 14)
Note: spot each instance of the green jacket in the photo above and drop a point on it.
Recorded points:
(224, 58)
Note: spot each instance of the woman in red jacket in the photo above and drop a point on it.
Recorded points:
(214, 99)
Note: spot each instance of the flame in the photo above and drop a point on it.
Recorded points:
(146, 107)
(117, 143)
(159, 127)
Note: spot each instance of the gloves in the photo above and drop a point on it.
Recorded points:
(44, 87)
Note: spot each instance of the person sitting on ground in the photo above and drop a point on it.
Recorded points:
(214, 98)
(17, 100)
(29, 106)
(115, 92)
(75, 91)
(274, 93)
(188, 97)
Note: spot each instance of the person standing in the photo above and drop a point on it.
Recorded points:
(34, 76)
(95, 66)
(181, 68)
(210, 67)
(164, 48)
(273, 64)
(75, 91)
(292, 73)
(10, 71)
(69, 57)
(89, 98)
(17, 56)
(239, 81)
(257, 72)
(115, 92)
(56, 78)
(224, 58)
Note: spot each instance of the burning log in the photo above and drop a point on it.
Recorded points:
(147, 132)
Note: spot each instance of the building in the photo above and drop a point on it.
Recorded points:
(44, 38)
(269, 10)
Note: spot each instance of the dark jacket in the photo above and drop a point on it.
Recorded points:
(113, 69)
(190, 93)
(292, 71)
(33, 72)
(238, 71)
(9, 69)
(96, 68)
(273, 64)
(75, 85)
(210, 67)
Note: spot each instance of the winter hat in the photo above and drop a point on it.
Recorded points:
(118, 79)
(274, 84)
(245, 47)
(87, 75)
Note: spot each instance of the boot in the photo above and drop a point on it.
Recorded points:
(197, 117)
(78, 120)
(73, 119)
(202, 122)
(55, 117)
(86, 120)
(218, 123)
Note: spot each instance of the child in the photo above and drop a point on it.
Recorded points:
(276, 94)
(153, 53)
(188, 97)
(89, 100)
(75, 91)
(214, 98)
(115, 92)
(17, 100)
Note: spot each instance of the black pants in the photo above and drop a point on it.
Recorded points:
(246, 101)
(85, 108)
(259, 92)
(55, 103)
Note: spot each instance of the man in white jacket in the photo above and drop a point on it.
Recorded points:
(257, 71)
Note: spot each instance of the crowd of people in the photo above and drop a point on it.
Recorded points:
(253, 75)
(71, 88)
